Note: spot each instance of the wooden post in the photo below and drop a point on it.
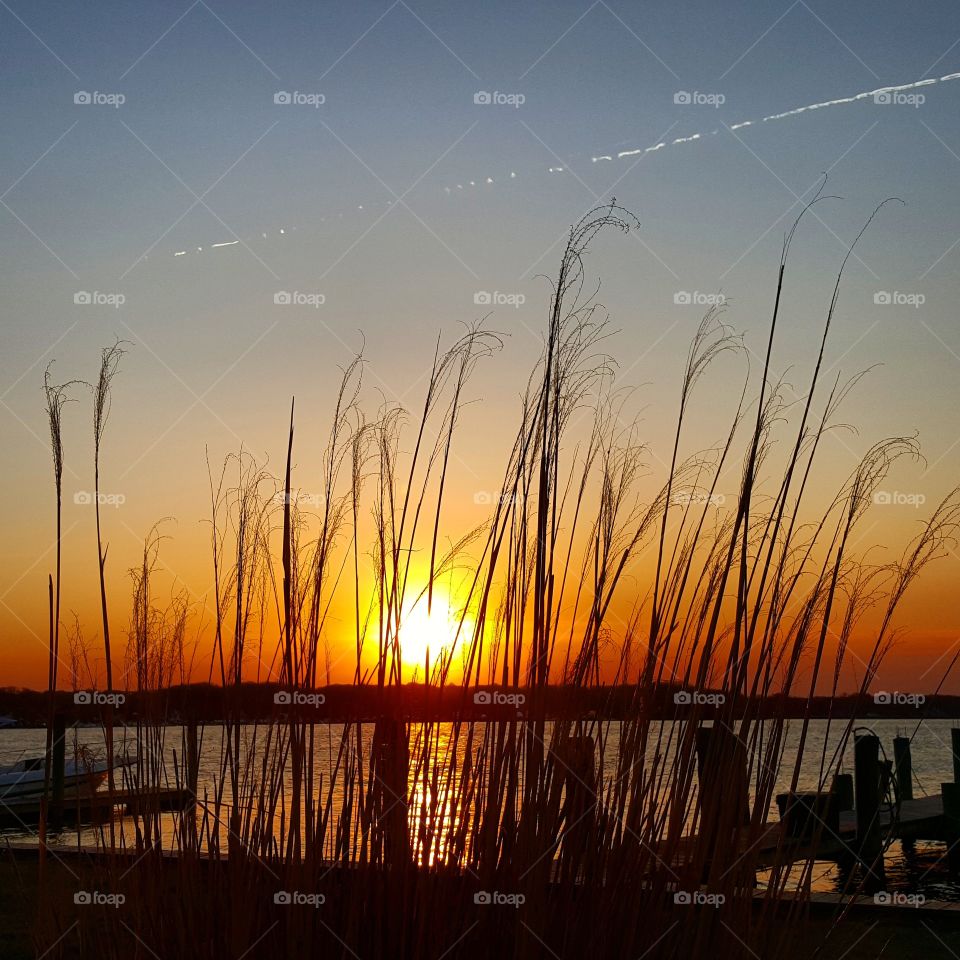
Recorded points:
(955, 744)
(191, 764)
(577, 770)
(842, 791)
(904, 767)
(867, 789)
(193, 759)
(724, 796)
(58, 764)
(391, 762)
(950, 793)
(722, 766)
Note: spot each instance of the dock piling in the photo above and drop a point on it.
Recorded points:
(903, 765)
(390, 769)
(842, 791)
(868, 775)
(58, 761)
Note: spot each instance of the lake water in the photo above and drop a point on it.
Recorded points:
(919, 868)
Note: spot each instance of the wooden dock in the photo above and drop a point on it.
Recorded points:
(96, 807)
(916, 820)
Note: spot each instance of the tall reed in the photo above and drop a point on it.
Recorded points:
(524, 834)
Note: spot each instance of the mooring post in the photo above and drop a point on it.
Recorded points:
(391, 762)
(867, 768)
(724, 793)
(58, 761)
(950, 795)
(193, 759)
(904, 767)
(576, 757)
(842, 791)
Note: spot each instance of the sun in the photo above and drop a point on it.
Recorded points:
(435, 631)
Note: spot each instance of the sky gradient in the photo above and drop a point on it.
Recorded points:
(346, 159)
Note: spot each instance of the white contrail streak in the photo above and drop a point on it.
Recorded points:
(879, 94)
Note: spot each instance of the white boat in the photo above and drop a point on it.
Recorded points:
(24, 779)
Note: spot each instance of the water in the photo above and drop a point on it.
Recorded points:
(918, 868)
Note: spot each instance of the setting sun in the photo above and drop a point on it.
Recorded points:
(434, 631)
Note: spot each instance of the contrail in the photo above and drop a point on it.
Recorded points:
(877, 94)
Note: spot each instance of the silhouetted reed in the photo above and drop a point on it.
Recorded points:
(521, 835)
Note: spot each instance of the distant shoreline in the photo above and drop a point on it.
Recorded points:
(251, 702)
